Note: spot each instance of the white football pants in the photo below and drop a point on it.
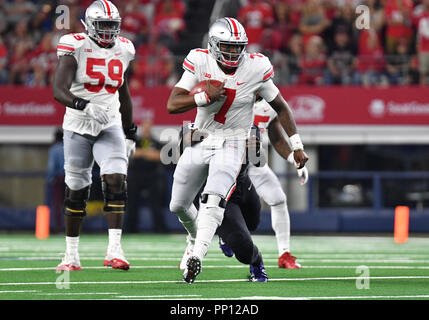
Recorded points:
(268, 187)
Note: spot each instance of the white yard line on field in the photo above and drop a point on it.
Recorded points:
(213, 281)
(164, 296)
(319, 298)
(77, 293)
(18, 291)
(229, 267)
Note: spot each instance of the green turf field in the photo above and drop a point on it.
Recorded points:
(334, 267)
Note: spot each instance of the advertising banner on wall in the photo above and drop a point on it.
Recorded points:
(21, 106)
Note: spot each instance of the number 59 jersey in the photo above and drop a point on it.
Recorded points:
(99, 75)
(231, 116)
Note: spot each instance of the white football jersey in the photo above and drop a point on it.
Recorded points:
(233, 115)
(99, 75)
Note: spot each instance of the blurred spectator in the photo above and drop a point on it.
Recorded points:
(398, 19)
(3, 14)
(377, 14)
(370, 67)
(342, 18)
(168, 22)
(19, 10)
(255, 16)
(341, 60)
(42, 22)
(270, 44)
(146, 174)
(313, 62)
(423, 42)
(313, 20)
(153, 66)
(43, 61)
(20, 43)
(3, 62)
(283, 25)
(398, 65)
(55, 180)
(293, 52)
(134, 24)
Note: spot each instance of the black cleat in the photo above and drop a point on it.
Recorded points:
(193, 269)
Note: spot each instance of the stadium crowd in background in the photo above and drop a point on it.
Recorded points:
(311, 42)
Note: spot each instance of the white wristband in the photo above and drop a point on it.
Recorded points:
(201, 99)
(296, 142)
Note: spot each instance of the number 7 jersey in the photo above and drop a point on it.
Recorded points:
(231, 116)
(99, 75)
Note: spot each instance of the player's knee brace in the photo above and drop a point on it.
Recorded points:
(115, 195)
(75, 201)
(215, 204)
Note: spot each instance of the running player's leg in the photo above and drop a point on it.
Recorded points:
(224, 168)
(110, 153)
(78, 161)
(235, 234)
(189, 175)
(250, 204)
(268, 187)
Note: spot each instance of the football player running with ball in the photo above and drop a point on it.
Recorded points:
(91, 81)
(225, 114)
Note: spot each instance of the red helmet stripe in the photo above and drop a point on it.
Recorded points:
(106, 4)
(234, 26)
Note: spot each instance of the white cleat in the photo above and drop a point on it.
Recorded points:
(188, 252)
(70, 262)
(115, 258)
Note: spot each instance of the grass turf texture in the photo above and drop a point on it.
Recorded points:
(330, 270)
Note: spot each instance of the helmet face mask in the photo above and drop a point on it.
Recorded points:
(227, 42)
(103, 22)
(107, 31)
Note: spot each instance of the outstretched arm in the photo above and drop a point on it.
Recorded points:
(278, 140)
(287, 121)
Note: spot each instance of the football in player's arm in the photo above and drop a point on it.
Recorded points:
(225, 112)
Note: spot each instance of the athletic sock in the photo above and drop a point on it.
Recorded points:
(115, 237)
(208, 222)
(281, 225)
(72, 245)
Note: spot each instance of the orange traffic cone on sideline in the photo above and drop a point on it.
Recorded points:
(402, 217)
(42, 222)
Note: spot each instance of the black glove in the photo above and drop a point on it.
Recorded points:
(130, 133)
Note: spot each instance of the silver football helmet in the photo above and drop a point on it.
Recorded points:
(102, 21)
(227, 31)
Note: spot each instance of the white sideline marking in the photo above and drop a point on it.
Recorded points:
(227, 266)
(18, 291)
(345, 260)
(213, 281)
(316, 298)
(163, 296)
(74, 293)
